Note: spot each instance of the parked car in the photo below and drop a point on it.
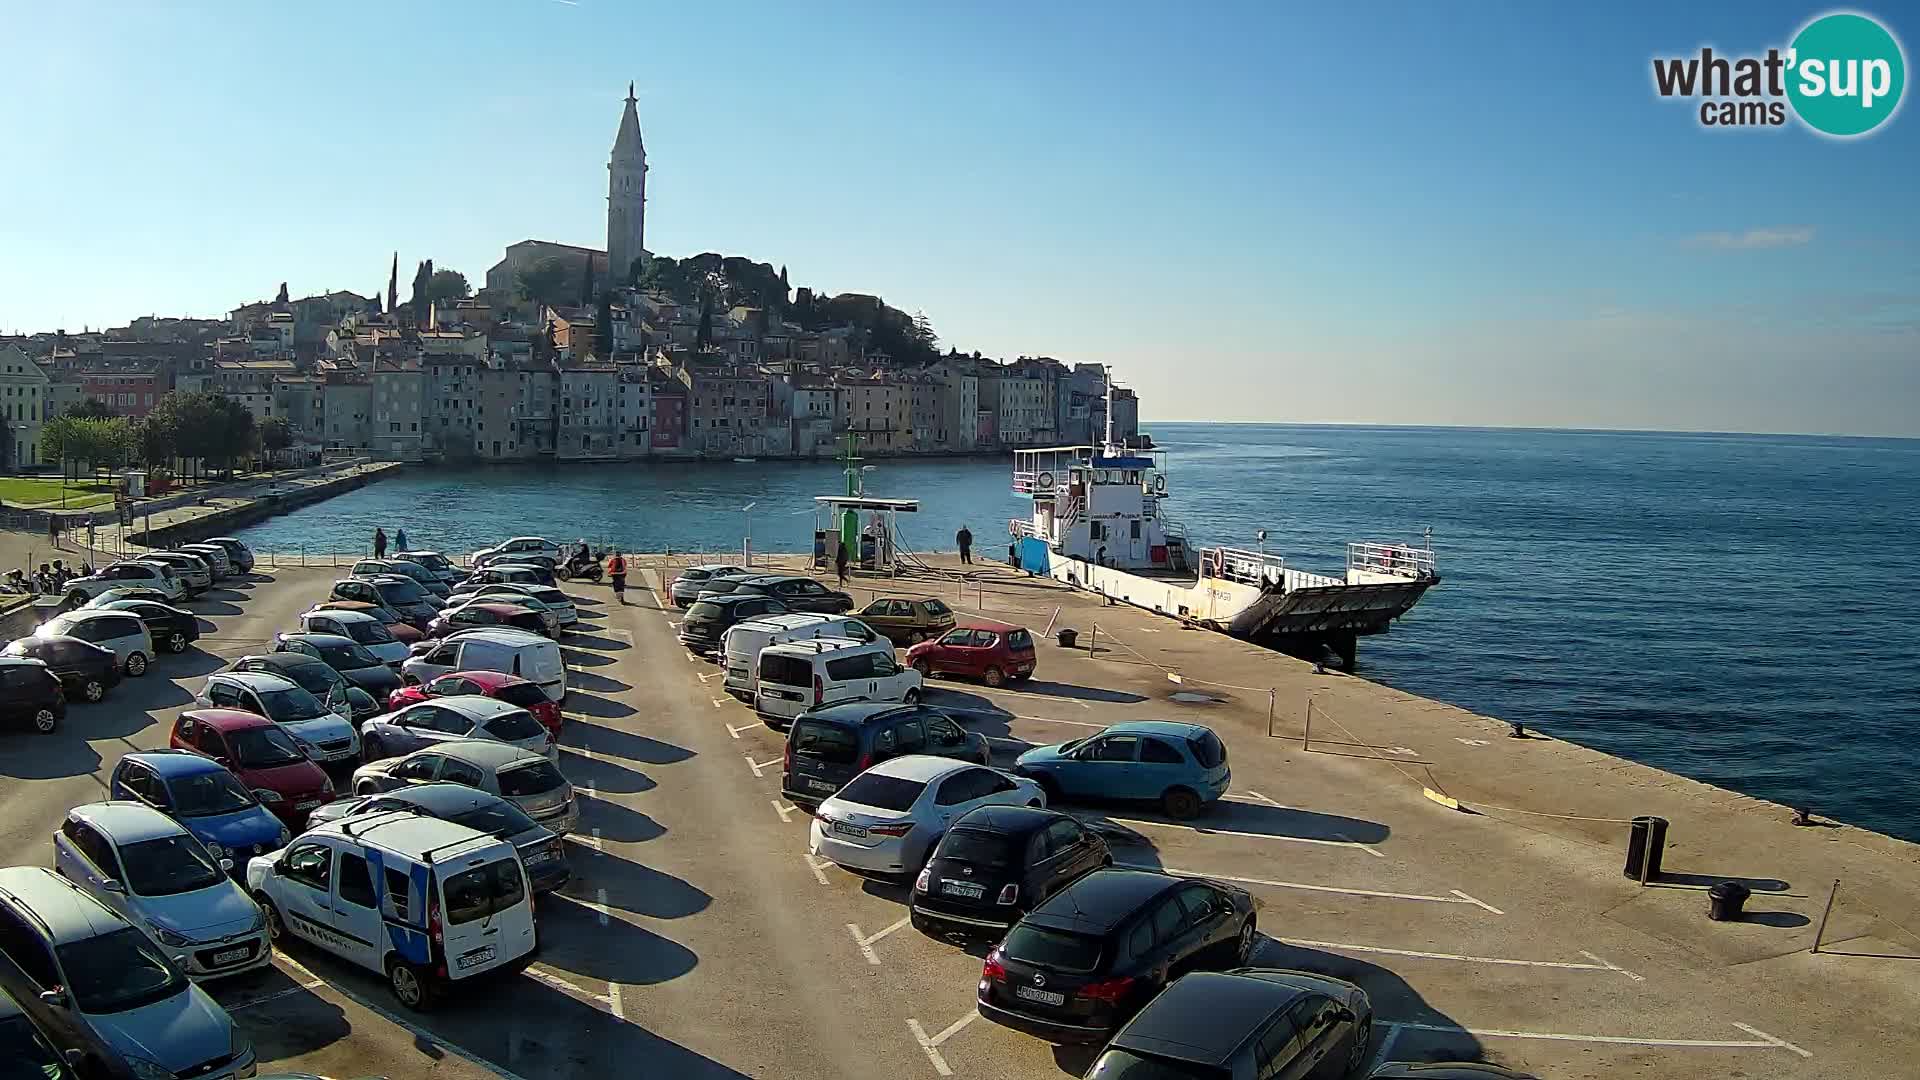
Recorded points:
(222, 562)
(403, 631)
(479, 613)
(43, 1042)
(518, 546)
(556, 601)
(466, 716)
(495, 648)
(120, 631)
(202, 795)
(354, 661)
(908, 620)
(707, 620)
(146, 868)
(996, 863)
(500, 594)
(524, 778)
(511, 689)
(404, 567)
(30, 695)
(170, 627)
(155, 576)
(85, 670)
(265, 758)
(801, 676)
(322, 734)
(127, 592)
(361, 628)
(797, 592)
(1078, 966)
(888, 819)
(316, 677)
(239, 552)
(993, 652)
(105, 973)
(436, 564)
(1182, 767)
(403, 594)
(192, 571)
(831, 746)
(1247, 1022)
(507, 573)
(741, 645)
(543, 853)
(690, 582)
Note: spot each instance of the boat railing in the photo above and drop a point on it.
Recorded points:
(1021, 528)
(1070, 512)
(1394, 560)
(1239, 564)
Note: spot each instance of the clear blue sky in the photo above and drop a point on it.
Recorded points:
(1479, 215)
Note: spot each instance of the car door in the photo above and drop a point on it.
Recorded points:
(88, 859)
(438, 662)
(1067, 856)
(1205, 925)
(1160, 767)
(321, 624)
(956, 795)
(305, 893)
(1278, 1051)
(211, 743)
(1100, 767)
(1165, 916)
(24, 946)
(459, 772)
(891, 681)
(356, 910)
(879, 615)
(132, 780)
(944, 737)
(418, 769)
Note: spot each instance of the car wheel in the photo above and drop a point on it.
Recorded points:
(94, 690)
(925, 669)
(1243, 951)
(177, 642)
(1180, 803)
(993, 676)
(1051, 786)
(1362, 1041)
(77, 599)
(137, 665)
(916, 638)
(45, 720)
(410, 986)
(276, 929)
(911, 696)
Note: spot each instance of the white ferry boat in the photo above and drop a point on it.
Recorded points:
(1099, 524)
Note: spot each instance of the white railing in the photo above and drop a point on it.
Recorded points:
(1021, 528)
(1394, 560)
(1239, 564)
(1070, 513)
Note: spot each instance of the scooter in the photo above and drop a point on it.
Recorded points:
(577, 567)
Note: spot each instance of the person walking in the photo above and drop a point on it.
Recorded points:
(965, 539)
(379, 543)
(89, 532)
(53, 529)
(400, 539)
(840, 562)
(617, 566)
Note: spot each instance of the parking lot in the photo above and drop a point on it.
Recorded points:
(698, 938)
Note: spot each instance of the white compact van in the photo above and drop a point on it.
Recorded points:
(799, 676)
(491, 648)
(741, 644)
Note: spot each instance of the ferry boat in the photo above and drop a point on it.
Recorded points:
(1099, 524)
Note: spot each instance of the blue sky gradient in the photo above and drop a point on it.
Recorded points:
(1254, 212)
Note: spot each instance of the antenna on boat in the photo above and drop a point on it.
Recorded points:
(1106, 373)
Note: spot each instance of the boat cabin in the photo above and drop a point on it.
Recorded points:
(1100, 505)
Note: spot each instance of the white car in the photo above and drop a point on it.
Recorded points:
(549, 597)
(518, 547)
(145, 866)
(888, 819)
(459, 716)
(524, 778)
(358, 627)
(144, 575)
(548, 618)
(121, 631)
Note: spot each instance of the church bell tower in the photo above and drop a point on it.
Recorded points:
(626, 196)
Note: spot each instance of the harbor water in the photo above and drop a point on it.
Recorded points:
(1734, 608)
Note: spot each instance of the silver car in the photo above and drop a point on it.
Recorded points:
(121, 631)
(522, 777)
(688, 583)
(460, 716)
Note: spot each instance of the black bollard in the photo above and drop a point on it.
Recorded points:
(1646, 839)
(1725, 901)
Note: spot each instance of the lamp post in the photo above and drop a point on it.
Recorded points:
(746, 546)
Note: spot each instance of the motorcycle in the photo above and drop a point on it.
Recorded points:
(576, 566)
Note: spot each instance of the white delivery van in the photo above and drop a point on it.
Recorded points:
(491, 648)
(427, 903)
(800, 676)
(741, 644)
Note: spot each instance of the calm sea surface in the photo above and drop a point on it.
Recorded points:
(1735, 608)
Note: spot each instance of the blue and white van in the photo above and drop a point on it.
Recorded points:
(427, 903)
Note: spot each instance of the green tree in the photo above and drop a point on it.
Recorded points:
(56, 437)
(544, 282)
(636, 270)
(448, 285)
(586, 282)
(603, 328)
(276, 434)
(90, 409)
(156, 434)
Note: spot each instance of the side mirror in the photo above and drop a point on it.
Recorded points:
(113, 886)
(279, 867)
(56, 997)
(228, 762)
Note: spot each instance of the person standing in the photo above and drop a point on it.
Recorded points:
(53, 529)
(379, 543)
(400, 539)
(840, 562)
(617, 566)
(89, 532)
(965, 539)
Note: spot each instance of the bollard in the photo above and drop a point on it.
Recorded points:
(1306, 737)
(1821, 930)
(1725, 900)
(1093, 640)
(1067, 637)
(1646, 838)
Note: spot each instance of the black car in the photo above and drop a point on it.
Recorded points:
(1244, 1023)
(797, 592)
(171, 628)
(352, 660)
(84, 669)
(996, 863)
(316, 677)
(30, 695)
(828, 748)
(708, 619)
(1084, 961)
(41, 1039)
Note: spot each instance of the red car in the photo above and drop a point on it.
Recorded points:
(992, 652)
(261, 755)
(511, 689)
(481, 613)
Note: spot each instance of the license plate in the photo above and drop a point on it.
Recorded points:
(1044, 997)
(967, 889)
(822, 785)
(482, 955)
(847, 829)
(231, 956)
(308, 805)
(538, 857)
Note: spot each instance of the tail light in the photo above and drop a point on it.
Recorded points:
(924, 883)
(993, 970)
(864, 763)
(902, 829)
(786, 758)
(1110, 991)
(433, 920)
(1009, 894)
(819, 691)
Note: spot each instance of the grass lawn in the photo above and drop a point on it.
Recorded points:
(38, 492)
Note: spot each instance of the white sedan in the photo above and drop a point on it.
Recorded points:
(888, 819)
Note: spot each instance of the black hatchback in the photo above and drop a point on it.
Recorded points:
(998, 862)
(171, 628)
(1083, 962)
(797, 591)
(708, 619)
(30, 695)
(85, 670)
(1247, 1022)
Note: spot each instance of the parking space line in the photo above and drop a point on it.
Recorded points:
(1343, 946)
(785, 810)
(275, 996)
(1057, 720)
(1349, 844)
(1386, 1046)
(865, 943)
(1782, 1043)
(931, 1044)
(757, 766)
(816, 864)
(1610, 966)
(410, 1028)
(614, 1001)
(600, 905)
(590, 841)
(719, 701)
(735, 731)
(1765, 1042)
(567, 986)
(1460, 898)
(1476, 903)
(705, 675)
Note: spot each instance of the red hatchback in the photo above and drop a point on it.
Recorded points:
(264, 757)
(992, 652)
(511, 689)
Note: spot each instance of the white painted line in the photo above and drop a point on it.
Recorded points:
(719, 701)
(1056, 720)
(1767, 1043)
(410, 1028)
(735, 731)
(673, 624)
(705, 675)
(865, 947)
(785, 810)
(1610, 966)
(1386, 1047)
(614, 1002)
(1782, 1043)
(1343, 946)
(1084, 705)
(815, 863)
(275, 996)
(1246, 835)
(566, 987)
(590, 841)
(625, 637)
(600, 905)
(1462, 898)
(756, 766)
(1470, 742)
(933, 1051)
(1369, 848)
(1477, 903)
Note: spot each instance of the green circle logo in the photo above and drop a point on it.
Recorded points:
(1847, 74)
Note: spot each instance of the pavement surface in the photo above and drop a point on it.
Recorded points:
(698, 939)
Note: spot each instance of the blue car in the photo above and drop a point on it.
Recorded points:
(204, 797)
(1183, 767)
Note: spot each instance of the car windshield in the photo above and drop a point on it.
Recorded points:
(516, 725)
(264, 748)
(208, 794)
(316, 678)
(977, 846)
(430, 560)
(498, 818)
(291, 706)
(535, 779)
(483, 891)
(348, 657)
(168, 865)
(118, 971)
(695, 575)
(525, 695)
(1208, 750)
(936, 609)
(1020, 641)
(884, 792)
(1126, 1065)
(703, 610)
(783, 670)
(400, 592)
(1053, 949)
(368, 633)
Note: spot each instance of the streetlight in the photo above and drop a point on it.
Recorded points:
(746, 546)
(864, 470)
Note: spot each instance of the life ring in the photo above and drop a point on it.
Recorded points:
(1160, 484)
(1044, 481)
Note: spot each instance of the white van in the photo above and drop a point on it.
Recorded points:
(741, 644)
(491, 648)
(799, 676)
(425, 902)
